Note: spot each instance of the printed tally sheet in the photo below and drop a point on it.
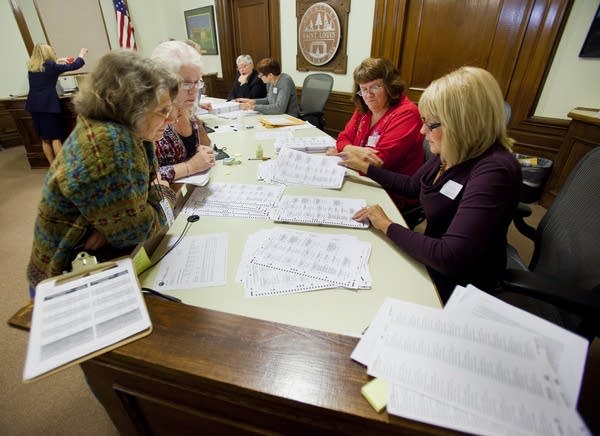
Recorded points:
(456, 369)
(293, 167)
(234, 200)
(283, 261)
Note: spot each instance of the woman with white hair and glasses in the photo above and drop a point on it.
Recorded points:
(185, 147)
(247, 83)
(469, 189)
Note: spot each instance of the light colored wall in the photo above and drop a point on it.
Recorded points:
(572, 81)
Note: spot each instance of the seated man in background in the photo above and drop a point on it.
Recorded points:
(247, 83)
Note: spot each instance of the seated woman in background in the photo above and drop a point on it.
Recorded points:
(247, 83)
(184, 148)
(469, 189)
(102, 192)
(385, 129)
(281, 91)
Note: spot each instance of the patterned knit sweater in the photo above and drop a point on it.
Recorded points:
(101, 180)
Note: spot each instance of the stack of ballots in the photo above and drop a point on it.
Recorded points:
(479, 366)
(281, 261)
(310, 144)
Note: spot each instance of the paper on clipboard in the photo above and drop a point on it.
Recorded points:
(83, 314)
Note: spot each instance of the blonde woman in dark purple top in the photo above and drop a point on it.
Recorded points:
(469, 189)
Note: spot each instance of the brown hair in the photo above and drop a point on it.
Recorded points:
(378, 68)
(123, 87)
(269, 66)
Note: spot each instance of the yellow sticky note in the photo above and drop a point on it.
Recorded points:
(376, 393)
(141, 261)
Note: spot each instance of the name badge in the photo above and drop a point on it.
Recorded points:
(451, 189)
(166, 207)
(372, 140)
(274, 90)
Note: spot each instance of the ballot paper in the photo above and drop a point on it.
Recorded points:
(450, 368)
(332, 211)
(293, 167)
(282, 261)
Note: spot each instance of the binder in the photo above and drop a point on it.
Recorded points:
(77, 316)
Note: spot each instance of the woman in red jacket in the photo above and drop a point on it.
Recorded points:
(385, 122)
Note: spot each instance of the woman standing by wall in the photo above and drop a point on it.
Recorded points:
(42, 100)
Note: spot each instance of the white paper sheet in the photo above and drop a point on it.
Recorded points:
(334, 211)
(196, 262)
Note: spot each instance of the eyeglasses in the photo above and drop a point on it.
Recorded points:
(165, 113)
(189, 85)
(371, 90)
(431, 126)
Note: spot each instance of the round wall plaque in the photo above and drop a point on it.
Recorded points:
(319, 34)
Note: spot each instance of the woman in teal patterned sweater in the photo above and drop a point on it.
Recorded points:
(102, 192)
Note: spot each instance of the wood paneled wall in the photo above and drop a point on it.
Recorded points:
(513, 39)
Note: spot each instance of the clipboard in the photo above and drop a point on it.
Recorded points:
(80, 315)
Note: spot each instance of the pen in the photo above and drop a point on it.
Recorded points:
(259, 158)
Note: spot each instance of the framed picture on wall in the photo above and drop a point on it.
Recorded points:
(200, 25)
(591, 45)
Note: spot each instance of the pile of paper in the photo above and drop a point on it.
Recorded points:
(332, 211)
(311, 144)
(270, 121)
(292, 167)
(234, 200)
(283, 261)
(479, 366)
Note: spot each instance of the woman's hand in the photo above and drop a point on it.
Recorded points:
(331, 152)
(243, 79)
(95, 241)
(359, 158)
(246, 103)
(376, 215)
(202, 160)
(207, 106)
(83, 52)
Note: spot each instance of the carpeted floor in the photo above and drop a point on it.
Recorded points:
(60, 404)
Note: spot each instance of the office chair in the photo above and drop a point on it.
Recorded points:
(562, 283)
(315, 92)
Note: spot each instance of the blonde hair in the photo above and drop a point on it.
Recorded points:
(40, 54)
(470, 106)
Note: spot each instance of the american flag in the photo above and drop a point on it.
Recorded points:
(124, 26)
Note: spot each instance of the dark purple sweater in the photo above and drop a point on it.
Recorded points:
(465, 238)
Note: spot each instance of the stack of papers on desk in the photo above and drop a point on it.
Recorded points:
(311, 144)
(480, 366)
(331, 211)
(234, 200)
(224, 107)
(292, 167)
(284, 261)
(270, 121)
(233, 115)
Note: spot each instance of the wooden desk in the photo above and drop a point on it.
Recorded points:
(258, 367)
(22, 119)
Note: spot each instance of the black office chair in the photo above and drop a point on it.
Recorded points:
(315, 92)
(562, 283)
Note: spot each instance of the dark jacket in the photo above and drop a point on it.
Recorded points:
(465, 238)
(42, 95)
(254, 88)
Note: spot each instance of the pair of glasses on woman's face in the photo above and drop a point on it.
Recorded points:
(165, 113)
(373, 89)
(199, 84)
(430, 126)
